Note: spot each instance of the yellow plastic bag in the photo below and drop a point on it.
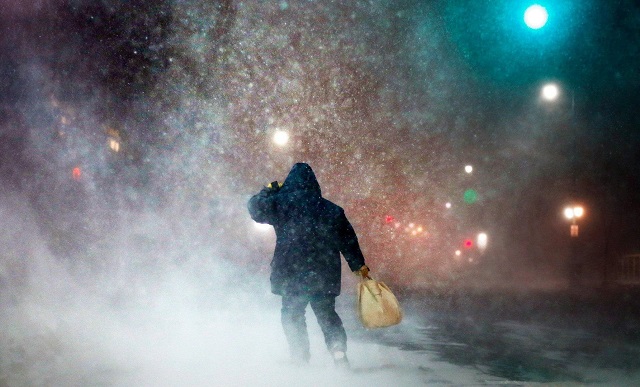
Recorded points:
(377, 306)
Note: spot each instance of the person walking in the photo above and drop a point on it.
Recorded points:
(311, 233)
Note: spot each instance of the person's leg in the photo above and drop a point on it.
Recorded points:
(295, 326)
(334, 334)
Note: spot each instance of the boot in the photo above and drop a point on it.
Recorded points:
(340, 359)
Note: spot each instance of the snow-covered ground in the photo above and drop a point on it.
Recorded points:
(177, 338)
(178, 343)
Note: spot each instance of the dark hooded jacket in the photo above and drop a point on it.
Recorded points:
(311, 232)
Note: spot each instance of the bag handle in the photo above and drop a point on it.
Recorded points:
(372, 285)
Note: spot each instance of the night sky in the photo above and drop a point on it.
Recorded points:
(387, 100)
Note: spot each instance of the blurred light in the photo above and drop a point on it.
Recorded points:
(411, 225)
(550, 92)
(280, 138)
(468, 169)
(388, 219)
(76, 173)
(448, 205)
(482, 241)
(568, 213)
(578, 211)
(573, 212)
(470, 196)
(419, 229)
(112, 132)
(468, 243)
(535, 17)
(114, 145)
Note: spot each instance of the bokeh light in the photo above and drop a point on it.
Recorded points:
(114, 145)
(281, 138)
(573, 212)
(76, 173)
(536, 16)
(550, 92)
(482, 241)
(470, 196)
(568, 213)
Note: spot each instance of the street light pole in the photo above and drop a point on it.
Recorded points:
(573, 213)
(550, 93)
(575, 265)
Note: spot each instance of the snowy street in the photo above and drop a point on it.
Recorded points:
(480, 339)
(523, 337)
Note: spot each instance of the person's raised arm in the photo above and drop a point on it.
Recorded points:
(262, 206)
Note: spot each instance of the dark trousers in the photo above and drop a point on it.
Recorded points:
(295, 325)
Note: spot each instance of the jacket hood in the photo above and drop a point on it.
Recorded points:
(301, 178)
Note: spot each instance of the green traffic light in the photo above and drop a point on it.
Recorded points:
(470, 196)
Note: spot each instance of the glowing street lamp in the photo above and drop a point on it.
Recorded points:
(536, 16)
(114, 145)
(550, 92)
(281, 138)
(482, 241)
(572, 213)
(114, 139)
(468, 169)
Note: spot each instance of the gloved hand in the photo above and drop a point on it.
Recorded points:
(363, 271)
(275, 186)
(270, 189)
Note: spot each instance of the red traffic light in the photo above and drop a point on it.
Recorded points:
(76, 173)
(388, 219)
(468, 243)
